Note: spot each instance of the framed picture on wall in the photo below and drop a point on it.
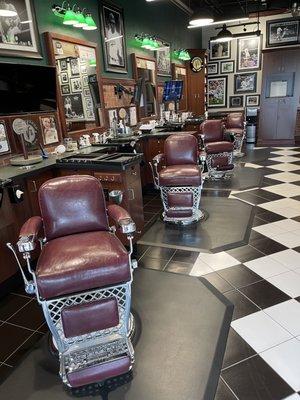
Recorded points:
(249, 54)
(73, 107)
(19, 35)
(113, 32)
(283, 32)
(163, 61)
(217, 91)
(4, 143)
(76, 85)
(236, 101)
(245, 83)
(252, 100)
(227, 67)
(219, 51)
(49, 129)
(65, 89)
(213, 68)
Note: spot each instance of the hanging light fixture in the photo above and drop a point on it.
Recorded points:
(69, 17)
(91, 25)
(224, 35)
(202, 17)
(80, 19)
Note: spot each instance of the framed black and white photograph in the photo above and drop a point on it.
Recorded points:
(65, 89)
(213, 68)
(252, 100)
(227, 67)
(236, 101)
(73, 107)
(64, 78)
(63, 64)
(115, 54)
(76, 85)
(217, 91)
(85, 80)
(86, 92)
(249, 54)
(89, 109)
(4, 143)
(49, 129)
(112, 117)
(74, 66)
(245, 83)
(283, 32)
(163, 61)
(219, 51)
(18, 34)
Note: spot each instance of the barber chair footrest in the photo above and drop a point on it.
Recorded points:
(228, 167)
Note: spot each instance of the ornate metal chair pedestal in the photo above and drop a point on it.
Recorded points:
(219, 151)
(180, 181)
(82, 279)
(235, 125)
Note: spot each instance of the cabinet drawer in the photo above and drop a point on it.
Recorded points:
(108, 177)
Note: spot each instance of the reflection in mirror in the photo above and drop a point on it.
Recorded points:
(78, 88)
(179, 73)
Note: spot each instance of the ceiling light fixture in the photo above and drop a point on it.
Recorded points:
(201, 18)
(7, 10)
(220, 22)
(224, 35)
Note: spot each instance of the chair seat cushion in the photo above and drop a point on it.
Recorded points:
(219, 147)
(180, 175)
(236, 131)
(79, 262)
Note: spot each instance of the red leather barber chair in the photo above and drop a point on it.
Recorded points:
(219, 151)
(82, 279)
(178, 176)
(235, 125)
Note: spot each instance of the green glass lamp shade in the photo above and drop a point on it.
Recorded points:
(187, 56)
(155, 45)
(93, 62)
(91, 25)
(70, 18)
(146, 44)
(80, 20)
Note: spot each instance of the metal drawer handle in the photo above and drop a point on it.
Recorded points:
(132, 194)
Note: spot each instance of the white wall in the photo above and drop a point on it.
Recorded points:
(208, 32)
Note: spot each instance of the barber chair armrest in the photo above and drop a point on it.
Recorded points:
(229, 136)
(29, 234)
(122, 219)
(158, 159)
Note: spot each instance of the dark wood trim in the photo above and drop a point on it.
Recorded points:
(49, 37)
(114, 81)
(280, 48)
(268, 13)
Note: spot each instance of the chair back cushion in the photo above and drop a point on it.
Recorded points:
(181, 149)
(72, 204)
(235, 120)
(213, 130)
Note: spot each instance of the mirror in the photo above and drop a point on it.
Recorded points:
(179, 73)
(78, 90)
(145, 74)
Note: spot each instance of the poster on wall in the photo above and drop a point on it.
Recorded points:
(244, 83)
(18, 33)
(249, 54)
(219, 51)
(49, 129)
(4, 144)
(73, 107)
(163, 61)
(217, 91)
(283, 32)
(115, 54)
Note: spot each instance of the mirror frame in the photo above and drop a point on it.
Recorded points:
(185, 88)
(50, 37)
(134, 58)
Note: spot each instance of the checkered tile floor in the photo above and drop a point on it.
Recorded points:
(262, 280)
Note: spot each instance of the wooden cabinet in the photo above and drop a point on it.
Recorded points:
(32, 186)
(151, 147)
(196, 84)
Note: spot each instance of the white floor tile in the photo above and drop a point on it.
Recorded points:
(294, 396)
(268, 230)
(284, 359)
(200, 268)
(288, 208)
(284, 189)
(218, 261)
(251, 165)
(288, 282)
(284, 177)
(285, 152)
(290, 258)
(284, 167)
(287, 225)
(260, 331)
(288, 239)
(266, 267)
(285, 159)
(287, 314)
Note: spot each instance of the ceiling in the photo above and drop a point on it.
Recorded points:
(224, 9)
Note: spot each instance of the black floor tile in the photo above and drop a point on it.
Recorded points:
(267, 246)
(242, 306)
(185, 256)
(270, 182)
(4, 372)
(179, 267)
(266, 163)
(215, 193)
(253, 379)
(296, 198)
(155, 202)
(269, 171)
(258, 210)
(268, 195)
(16, 357)
(139, 250)
(223, 392)
(152, 263)
(257, 221)
(296, 183)
(264, 294)
(269, 216)
(218, 282)
(152, 209)
(297, 249)
(255, 236)
(239, 276)
(10, 304)
(31, 316)
(250, 198)
(296, 162)
(148, 216)
(296, 218)
(11, 337)
(162, 253)
(245, 253)
(236, 349)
